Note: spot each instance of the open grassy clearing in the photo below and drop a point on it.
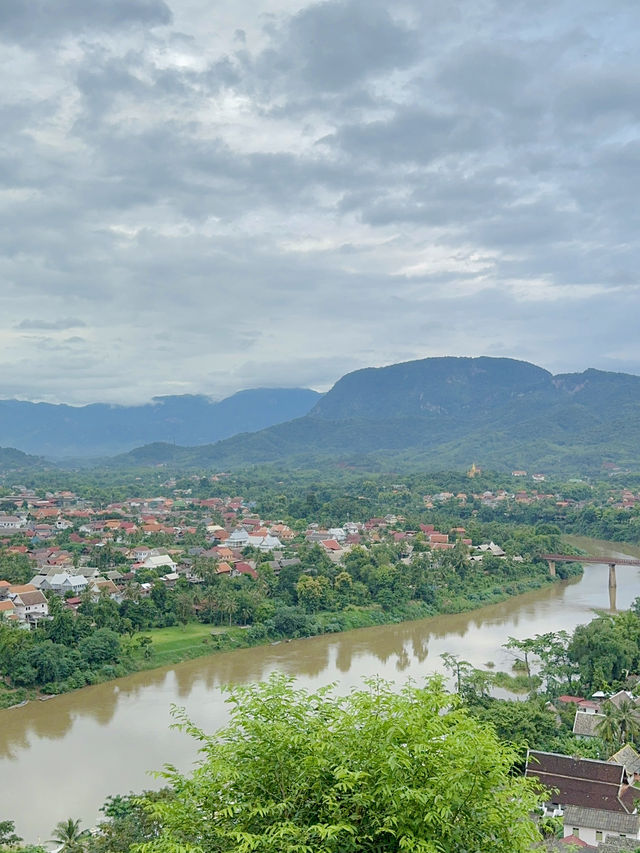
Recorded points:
(180, 637)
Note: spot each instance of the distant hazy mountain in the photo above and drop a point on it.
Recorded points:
(447, 412)
(15, 461)
(100, 429)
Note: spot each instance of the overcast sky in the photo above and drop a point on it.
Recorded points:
(200, 197)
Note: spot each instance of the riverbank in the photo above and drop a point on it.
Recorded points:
(161, 647)
(122, 727)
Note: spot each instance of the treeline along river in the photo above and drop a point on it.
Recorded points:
(61, 758)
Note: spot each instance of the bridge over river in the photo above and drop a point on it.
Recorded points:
(612, 562)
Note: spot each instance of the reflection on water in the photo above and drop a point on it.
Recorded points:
(69, 753)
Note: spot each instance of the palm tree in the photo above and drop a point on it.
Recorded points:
(609, 728)
(628, 722)
(68, 834)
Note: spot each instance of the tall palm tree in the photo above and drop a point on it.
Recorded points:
(68, 834)
(609, 727)
(628, 721)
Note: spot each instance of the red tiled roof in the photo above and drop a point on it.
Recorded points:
(245, 569)
(574, 841)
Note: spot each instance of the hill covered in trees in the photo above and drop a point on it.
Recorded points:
(15, 461)
(443, 413)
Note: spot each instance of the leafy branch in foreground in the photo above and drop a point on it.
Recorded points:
(377, 770)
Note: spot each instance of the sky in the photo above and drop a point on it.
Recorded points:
(202, 197)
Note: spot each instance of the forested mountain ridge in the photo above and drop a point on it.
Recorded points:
(430, 386)
(101, 429)
(445, 413)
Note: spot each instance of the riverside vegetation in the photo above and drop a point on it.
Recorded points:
(99, 642)
(298, 771)
(105, 639)
(400, 576)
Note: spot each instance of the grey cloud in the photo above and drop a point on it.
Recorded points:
(242, 212)
(53, 325)
(413, 135)
(41, 19)
(334, 44)
(485, 75)
(590, 95)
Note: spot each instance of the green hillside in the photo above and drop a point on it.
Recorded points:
(448, 412)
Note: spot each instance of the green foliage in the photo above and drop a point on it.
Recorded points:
(374, 771)
(523, 724)
(604, 651)
(128, 821)
(69, 837)
(8, 837)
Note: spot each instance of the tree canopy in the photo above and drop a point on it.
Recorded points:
(377, 770)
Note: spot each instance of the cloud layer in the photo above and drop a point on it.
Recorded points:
(202, 198)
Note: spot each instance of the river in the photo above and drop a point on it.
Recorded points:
(62, 757)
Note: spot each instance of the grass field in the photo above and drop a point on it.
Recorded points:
(169, 645)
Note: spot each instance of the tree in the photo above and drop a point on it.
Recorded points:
(371, 772)
(8, 837)
(608, 728)
(103, 646)
(312, 592)
(459, 668)
(603, 651)
(183, 607)
(628, 722)
(127, 823)
(620, 724)
(526, 647)
(68, 834)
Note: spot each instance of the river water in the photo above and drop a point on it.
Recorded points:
(62, 757)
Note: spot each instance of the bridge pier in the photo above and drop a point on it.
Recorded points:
(612, 575)
(552, 568)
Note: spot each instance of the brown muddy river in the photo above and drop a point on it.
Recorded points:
(61, 758)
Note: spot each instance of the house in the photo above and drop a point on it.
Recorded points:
(30, 606)
(629, 758)
(597, 799)
(265, 543)
(242, 568)
(621, 697)
(7, 610)
(105, 586)
(585, 723)
(337, 533)
(238, 539)
(63, 583)
(158, 562)
(10, 523)
(439, 538)
(566, 699)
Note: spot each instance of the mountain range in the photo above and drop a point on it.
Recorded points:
(59, 431)
(442, 413)
(436, 413)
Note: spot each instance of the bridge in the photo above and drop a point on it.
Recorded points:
(612, 562)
